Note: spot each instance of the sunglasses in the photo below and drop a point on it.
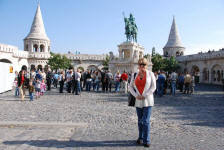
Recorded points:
(142, 64)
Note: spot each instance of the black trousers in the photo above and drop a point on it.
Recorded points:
(103, 86)
(73, 86)
(69, 86)
(55, 83)
(61, 83)
(48, 85)
(108, 86)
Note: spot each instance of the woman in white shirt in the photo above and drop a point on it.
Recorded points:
(142, 86)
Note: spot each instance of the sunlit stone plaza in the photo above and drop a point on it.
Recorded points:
(104, 121)
(55, 98)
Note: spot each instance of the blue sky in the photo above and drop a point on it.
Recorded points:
(97, 26)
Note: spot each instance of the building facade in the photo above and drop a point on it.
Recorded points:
(206, 67)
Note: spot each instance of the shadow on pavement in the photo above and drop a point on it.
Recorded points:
(72, 143)
(198, 109)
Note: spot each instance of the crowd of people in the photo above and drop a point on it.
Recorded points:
(75, 81)
(184, 82)
(37, 82)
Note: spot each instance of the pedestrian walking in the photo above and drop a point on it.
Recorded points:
(117, 77)
(16, 84)
(173, 79)
(187, 82)
(61, 81)
(77, 82)
(21, 83)
(181, 82)
(37, 88)
(31, 90)
(142, 88)
(124, 78)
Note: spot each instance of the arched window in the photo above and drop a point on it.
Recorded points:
(39, 67)
(213, 74)
(181, 54)
(35, 48)
(26, 48)
(218, 76)
(33, 67)
(222, 74)
(166, 54)
(41, 48)
(48, 48)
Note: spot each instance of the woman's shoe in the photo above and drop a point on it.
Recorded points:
(139, 142)
(146, 145)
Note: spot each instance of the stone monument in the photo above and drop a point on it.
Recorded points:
(129, 51)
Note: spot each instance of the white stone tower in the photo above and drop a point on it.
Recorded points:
(37, 43)
(174, 46)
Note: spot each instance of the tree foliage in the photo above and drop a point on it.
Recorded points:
(57, 61)
(166, 64)
(106, 61)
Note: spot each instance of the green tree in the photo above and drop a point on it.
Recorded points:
(57, 61)
(171, 64)
(158, 63)
(106, 61)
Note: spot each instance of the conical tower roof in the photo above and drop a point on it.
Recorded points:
(174, 38)
(37, 30)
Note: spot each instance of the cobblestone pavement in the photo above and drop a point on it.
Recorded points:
(103, 121)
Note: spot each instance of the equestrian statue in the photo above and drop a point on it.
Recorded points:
(131, 28)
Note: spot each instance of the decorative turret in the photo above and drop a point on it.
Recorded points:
(174, 46)
(37, 40)
(37, 43)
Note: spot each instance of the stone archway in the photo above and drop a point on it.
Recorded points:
(205, 75)
(5, 61)
(32, 67)
(39, 67)
(81, 68)
(42, 48)
(35, 48)
(196, 72)
(216, 74)
(92, 67)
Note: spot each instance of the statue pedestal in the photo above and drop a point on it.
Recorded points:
(129, 54)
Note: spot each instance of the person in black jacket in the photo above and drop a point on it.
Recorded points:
(22, 83)
(49, 79)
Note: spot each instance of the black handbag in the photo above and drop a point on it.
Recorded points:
(131, 98)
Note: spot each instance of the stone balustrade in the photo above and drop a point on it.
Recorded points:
(202, 56)
(8, 48)
(85, 57)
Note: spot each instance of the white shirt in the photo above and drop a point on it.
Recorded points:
(77, 76)
(150, 87)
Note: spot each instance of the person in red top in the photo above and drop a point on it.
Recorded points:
(142, 87)
(124, 78)
(21, 83)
